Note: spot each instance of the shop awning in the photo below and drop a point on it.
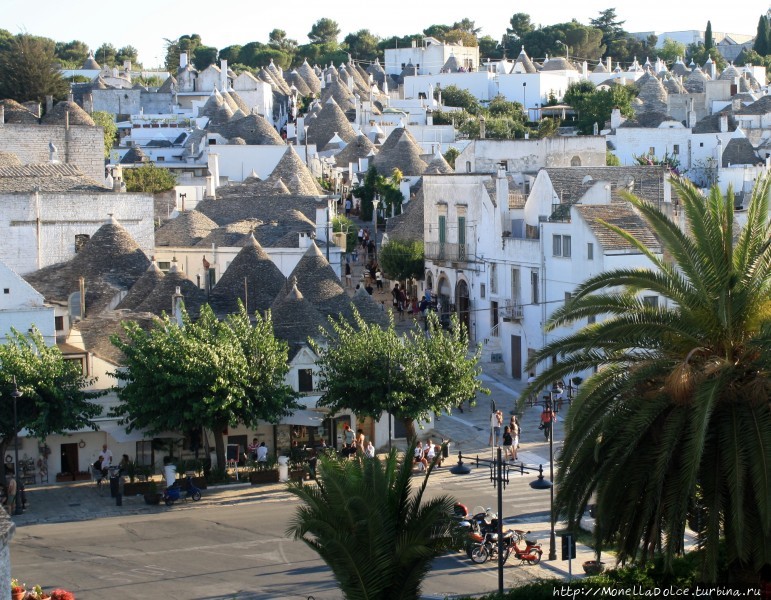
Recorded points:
(307, 418)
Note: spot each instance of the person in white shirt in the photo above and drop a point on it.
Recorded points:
(430, 452)
(106, 457)
(262, 455)
(169, 472)
(369, 451)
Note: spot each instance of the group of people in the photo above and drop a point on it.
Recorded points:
(258, 452)
(104, 462)
(429, 454)
(510, 437)
(366, 242)
(355, 443)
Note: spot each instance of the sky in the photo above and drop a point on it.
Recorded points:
(145, 24)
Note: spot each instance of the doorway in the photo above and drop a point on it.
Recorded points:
(69, 456)
(516, 356)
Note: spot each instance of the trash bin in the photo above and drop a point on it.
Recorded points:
(283, 468)
(114, 480)
(445, 448)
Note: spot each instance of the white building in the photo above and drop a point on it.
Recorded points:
(22, 307)
(430, 57)
(503, 261)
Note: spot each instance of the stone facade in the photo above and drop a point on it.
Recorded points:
(37, 230)
(7, 529)
(77, 145)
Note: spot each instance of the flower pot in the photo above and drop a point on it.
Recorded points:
(18, 593)
(266, 476)
(593, 567)
(153, 498)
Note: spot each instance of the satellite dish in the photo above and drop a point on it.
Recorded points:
(586, 179)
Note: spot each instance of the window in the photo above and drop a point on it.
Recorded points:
(468, 166)
(160, 159)
(568, 296)
(652, 151)
(164, 265)
(561, 245)
(59, 323)
(144, 453)
(482, 289)
(305, 377)
(534, 287)
(515, 286)
(676, 149)
(652, 301)
(575, 161)
(493, 278)
(6, 290)
(701, 144)
(590, 251)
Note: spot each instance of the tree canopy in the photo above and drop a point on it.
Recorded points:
(149, 179)
(675, 420)
(106, 121)
(373, 371)
(205, 373)
(324, 31)
(596, 105)
(402, 260)
(55, 392)
(391, 555)
(28, 70)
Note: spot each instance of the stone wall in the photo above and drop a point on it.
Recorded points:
(62, 217)
(80, 145)
(7, 529)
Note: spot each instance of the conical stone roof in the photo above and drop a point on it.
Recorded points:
(330, 121)
(142, 288)
(189, 228)
(696, 82)
(168, 86)
(341, 94)
(360, 147)
(160, 299)
(318, 282)
(229, 101)
(135, 155)
(293, 78)
(57, 115)
(240, 102)
(292, 170)
(217, 111)
(368, 308)
(402, 153)
(90, 63)
(110, 262)
(253, 129)
(524, 60)
(252, 277)
(451, 65)
(18, 114)
(309, 76)
(438, 166)
(295, 318)
(9, 159)
(653, 95)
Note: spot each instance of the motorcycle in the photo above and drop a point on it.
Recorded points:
(531, 553)
(173, 493)
(482, 527)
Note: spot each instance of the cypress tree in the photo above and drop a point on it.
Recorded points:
(761, 38)
(708, 42)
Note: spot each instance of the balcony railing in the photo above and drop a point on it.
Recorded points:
(447, 251)
(512, 312)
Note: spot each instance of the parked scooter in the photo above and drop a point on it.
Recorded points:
(173, 493)
(482, 527)
(531, 553)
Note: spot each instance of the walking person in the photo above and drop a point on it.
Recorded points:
(348, 275)
(547, 420)
(514, 429)
(507, 442)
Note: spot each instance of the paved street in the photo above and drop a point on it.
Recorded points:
(232, 543)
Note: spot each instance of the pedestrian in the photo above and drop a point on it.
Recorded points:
(348, 206)
(496, 420)
(360, 440)
(360, 236)
(348, 275)
(514, 429)
(348, 435)
(547, 420)
(369, 451)
(106, 457)
(262, 456)
(507, 442)
(379, 279)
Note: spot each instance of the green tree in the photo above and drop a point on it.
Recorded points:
(452, 95)
(671, 50)
(207, 373)
(341, 224)
(489, 47)
(72, 52)
(324, 31)
(185, 43)
(106, 121)
(28, 70)
(612, 30)
(450, 156)
(595, 106)
(127, 53)
(437, 31)
(699, 54)
(679, 405)
(373, 371)
(149, 179)
(277, 39)
(519, 26)
(708, 41)
(54, 399)
(402, 260)
(204, 56)
(376, 535)
(106, 56)
(362, 45)
(232, 54)
(761, 45)
(611, 160)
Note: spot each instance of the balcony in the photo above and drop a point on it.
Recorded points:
(447, 251)
(512, 312)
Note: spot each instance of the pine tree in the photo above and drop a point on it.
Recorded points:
(708, 41)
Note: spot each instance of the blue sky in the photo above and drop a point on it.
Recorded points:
(146, 23)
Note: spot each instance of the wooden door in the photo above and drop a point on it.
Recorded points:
(69, 456)
(516, 356)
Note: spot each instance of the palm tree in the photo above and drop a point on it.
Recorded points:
(376, 535)
(679, 405)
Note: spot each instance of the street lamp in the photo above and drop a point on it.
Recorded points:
(16, 394)
(307, 164)
(399, 368)
(567, 49)
(524, 103)
(499, 475)
(375, 202)
(542, 484)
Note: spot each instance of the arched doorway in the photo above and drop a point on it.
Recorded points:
(429, 281)
(462, 303)
(444, 293)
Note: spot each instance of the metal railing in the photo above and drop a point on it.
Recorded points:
(447, 251)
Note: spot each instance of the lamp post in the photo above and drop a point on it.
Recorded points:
(567, 49)
(543, 484)
(499, 476)
(306, 146)
(16, 394)
(375, 202)
(524, 102)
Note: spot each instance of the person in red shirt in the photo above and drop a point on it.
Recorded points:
(548, 417)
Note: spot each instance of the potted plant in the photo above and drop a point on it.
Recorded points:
(152, 496)
(266, 472)
(593, 567)
(18, 591)
(62, 595)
